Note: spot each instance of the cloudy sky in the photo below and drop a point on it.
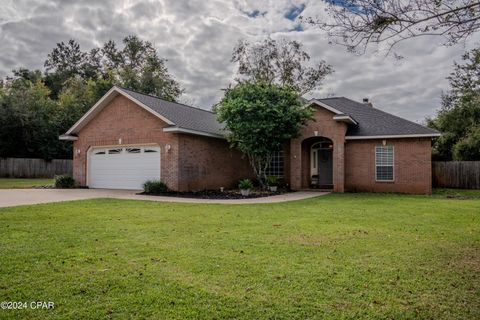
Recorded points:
(197, 37)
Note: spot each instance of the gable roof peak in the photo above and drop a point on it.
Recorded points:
(373, 121)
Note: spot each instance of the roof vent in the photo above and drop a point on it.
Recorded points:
(367, 102)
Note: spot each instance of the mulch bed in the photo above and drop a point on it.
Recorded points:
(217, 194)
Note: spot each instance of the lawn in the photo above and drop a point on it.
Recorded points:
(348, 256)
(8, 183)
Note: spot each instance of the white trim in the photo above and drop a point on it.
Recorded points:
(102, 99)
(67, 137)
(393, 163)
(200, 133)
(339, 115)
(101, 103)
(426, 135)
(342, 117)
(326, 106)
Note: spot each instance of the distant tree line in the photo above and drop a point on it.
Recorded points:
(459, 116)
(37, 106)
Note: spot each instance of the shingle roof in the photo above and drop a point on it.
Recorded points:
(374, 122)
(371, 121)
(183, 116)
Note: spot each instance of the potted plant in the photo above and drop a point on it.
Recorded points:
(245, 187)
(272, 183)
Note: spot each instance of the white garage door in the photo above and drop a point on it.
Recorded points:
(125, 167)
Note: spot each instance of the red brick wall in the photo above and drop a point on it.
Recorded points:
(209, 163)
(192, 163)
(196, 162)
(123, 119)
(299, 159)
(412, 166)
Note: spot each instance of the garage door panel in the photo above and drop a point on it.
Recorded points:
(123, 170)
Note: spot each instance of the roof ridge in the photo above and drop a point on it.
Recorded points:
(155, 97)
(382, 111)
(338, 97)
(391, 114)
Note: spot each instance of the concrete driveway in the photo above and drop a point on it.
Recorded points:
(16, 197)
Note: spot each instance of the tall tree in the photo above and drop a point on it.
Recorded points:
(36, 107)
(459, 116)
(358, 23)
(281, 62)
(136, 66)
(26, 120)
(260, 117)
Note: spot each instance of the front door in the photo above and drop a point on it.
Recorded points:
(325, 168)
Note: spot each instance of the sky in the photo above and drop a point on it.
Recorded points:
(197, 38)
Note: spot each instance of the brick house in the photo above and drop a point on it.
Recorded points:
(127, 138)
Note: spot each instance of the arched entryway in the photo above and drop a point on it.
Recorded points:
(317, 164)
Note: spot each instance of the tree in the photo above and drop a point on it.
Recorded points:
(66, 58)
(459, 116)
(37, 107)
(136, 66)
(358, 23)
(26, 114)
(259, 118)
(281, 62)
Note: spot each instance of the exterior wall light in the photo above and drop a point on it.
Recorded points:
(315, 133)
(168, 147)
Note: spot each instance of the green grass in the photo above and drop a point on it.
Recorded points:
(341, 256)
(8, 183)
(457, 193)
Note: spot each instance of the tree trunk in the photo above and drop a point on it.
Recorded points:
(260, 166)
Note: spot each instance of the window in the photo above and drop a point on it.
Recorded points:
(133, 150)
(150, 150)
(276, 165)
(114, 151)
(384, 163)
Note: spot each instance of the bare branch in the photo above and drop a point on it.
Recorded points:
(360, 23)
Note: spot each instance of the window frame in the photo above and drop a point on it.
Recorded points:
(152, 149)
(114, 149)
(277, 165)
(129, 150)
(377, 165)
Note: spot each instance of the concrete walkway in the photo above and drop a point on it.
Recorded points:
(15, 197)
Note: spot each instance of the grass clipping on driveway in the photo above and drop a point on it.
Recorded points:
(338, 256)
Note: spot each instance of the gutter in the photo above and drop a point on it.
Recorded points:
(190, 131)
(426, 135)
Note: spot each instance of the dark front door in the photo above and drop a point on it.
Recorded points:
(325, 168)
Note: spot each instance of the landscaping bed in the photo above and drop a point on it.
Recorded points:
(217, 194)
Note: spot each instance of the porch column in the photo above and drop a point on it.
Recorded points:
(339, 166)
(295, 164)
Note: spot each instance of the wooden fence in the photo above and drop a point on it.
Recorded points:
(456, 174)
(34, 168)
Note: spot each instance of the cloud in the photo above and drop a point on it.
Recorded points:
(197, 38)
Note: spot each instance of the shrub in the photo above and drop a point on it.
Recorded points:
(272, 181)
(245, 184)
(154, 187)
(64, 182)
